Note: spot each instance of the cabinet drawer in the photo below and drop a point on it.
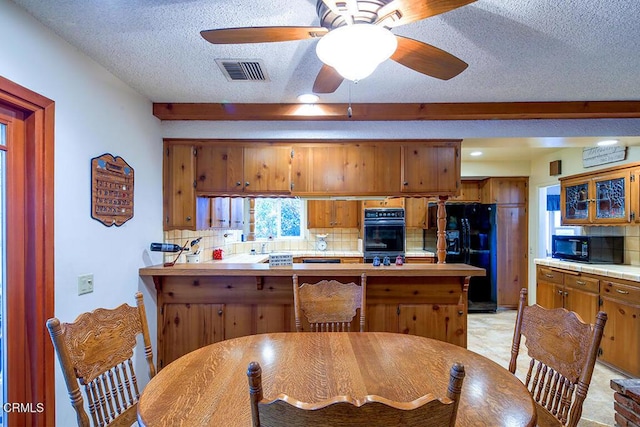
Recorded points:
(549, 275)
(620, 291)
(587, 284)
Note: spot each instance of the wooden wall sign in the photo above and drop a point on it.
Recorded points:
(600, 155)
(111, 190)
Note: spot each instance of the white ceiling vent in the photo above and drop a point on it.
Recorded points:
(238, 70)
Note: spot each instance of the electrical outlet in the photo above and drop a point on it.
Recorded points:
(85, 284)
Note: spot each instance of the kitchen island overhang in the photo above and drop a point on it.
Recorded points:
(199, 304)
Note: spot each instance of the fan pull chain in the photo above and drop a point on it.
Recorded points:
(349, 110)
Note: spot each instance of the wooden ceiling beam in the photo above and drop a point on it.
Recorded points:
(400, 112)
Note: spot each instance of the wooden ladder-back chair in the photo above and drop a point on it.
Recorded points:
(563, 351)
(344, 411)
(95, 352)
(329, 305)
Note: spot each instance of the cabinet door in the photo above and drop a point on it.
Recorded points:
(179, 197)
(187, 327)
(574, 201)
(267, 169)
(431, 169)
(382, 318)
(585, 304)
(547, 294)
(319, 214)
(611, 198)
(416, 212)
(346, 214)
(237, 213)
(469, 192)
(511, 269)
(203, 213)
(441, 322)
(219, 169)
(621, 340)
(221, 211)
(507, 190)
(389, 202)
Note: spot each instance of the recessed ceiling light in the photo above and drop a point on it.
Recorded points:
(607, 142)
(475, 153)
(308, 98)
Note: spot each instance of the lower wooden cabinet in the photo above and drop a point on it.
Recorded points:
(586, 294)
(197, 311)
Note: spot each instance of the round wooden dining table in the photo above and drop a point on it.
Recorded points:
(209, 386)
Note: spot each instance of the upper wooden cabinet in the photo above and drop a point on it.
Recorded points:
(346, 169)
(504, 190)
(431, 168)
(387, 202)
(469, 192)
(601, 198)
(333, 213)
(236, 169)
(179, 201)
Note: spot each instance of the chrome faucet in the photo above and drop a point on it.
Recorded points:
(263, 248)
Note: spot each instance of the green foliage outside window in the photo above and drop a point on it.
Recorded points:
(277, 217)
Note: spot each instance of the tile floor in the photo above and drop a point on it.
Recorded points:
(491, 335)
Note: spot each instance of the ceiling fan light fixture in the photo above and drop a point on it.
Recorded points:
(356, 50)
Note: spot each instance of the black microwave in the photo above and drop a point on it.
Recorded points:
(591, 249)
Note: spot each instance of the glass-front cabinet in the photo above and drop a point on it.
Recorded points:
(602, 199)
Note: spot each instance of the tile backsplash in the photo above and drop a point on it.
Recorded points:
(631, 235)
(230, 241)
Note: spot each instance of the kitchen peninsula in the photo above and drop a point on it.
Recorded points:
(199, 304)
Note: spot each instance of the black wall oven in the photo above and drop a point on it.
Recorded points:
(384, 233)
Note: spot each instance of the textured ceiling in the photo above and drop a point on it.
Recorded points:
(517, 50)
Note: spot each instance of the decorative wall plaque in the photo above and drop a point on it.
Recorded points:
(111, 190)
(600, 155)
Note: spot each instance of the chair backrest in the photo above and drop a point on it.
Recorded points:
(344, 411)
(329, 305)
(95, 353)
(563, 351)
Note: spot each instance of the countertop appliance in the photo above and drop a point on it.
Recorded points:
(589, 249)
(470, 239)
(384, 233)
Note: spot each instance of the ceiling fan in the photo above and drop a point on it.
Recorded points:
(372, 18)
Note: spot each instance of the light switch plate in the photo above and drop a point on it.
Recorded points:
(85, 284)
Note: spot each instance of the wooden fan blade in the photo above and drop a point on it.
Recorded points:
(427, 59)
(328, 80)
(261, 34)
(400, 12)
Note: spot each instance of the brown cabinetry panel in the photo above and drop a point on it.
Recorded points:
(416, 212)
(431, 169)
(219, 169)
(442, 322)
(267, 169)
(511, 274)
(333, 213)
(507, 190)
(621, 338)
(188, 327)
(179, 193)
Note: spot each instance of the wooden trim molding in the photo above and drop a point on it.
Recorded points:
(400, 112)
(30, 370)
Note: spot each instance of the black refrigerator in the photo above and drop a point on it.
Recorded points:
(470, 239)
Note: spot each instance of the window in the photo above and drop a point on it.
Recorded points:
(278, 218)
(550, 198)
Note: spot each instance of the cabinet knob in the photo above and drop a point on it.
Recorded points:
(188, 218)
(238, 183)
(220, 312)
(246, 184)
(405, 183)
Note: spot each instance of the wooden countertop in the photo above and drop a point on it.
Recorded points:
(263, 269)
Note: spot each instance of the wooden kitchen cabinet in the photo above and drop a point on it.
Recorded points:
(568, 289)
(415, 212)
(512, 256)
(333, 213)
(601, 198)
(621, 338)
(431, 169)
(179, 196)
(220, 212)
(236, 169)
(504, 190)
(237, 213)
(469, 192)
(586, 294)
(346, 168)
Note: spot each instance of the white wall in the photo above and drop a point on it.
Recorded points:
(95, 113)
